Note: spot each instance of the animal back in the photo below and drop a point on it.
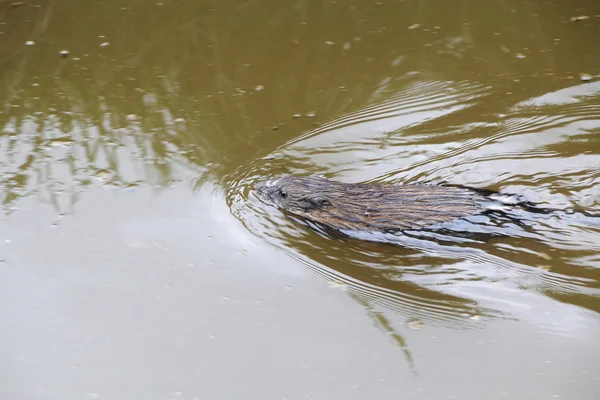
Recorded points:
(393, 208)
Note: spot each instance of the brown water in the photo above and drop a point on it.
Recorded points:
(135, 261)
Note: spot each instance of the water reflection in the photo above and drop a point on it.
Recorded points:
(440, 92)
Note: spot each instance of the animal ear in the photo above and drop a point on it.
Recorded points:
(318, 201)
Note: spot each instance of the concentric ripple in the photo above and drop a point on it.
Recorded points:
(544, 150)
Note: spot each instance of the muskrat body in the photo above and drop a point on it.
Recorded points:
(370, 207)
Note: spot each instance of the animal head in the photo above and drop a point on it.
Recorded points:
(295, 194)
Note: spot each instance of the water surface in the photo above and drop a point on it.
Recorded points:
(136, 262)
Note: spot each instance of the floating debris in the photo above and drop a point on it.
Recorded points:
(414, 324)
(579, 18)
(520, 55)
(585, 77)
(414, 26)
(18, 4)
(104, 44)
(310, 114)
(64, 53)
(29, 43)
(296, 115)
(397, 61)
(259, 88)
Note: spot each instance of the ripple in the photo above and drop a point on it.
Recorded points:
(538, 149)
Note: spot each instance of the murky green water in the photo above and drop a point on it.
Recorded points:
(135, 261)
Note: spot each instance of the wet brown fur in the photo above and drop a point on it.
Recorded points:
(369, 207)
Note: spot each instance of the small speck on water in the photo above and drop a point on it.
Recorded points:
(414, 324)
(296, 115)
(259, 88)
(397, 61)
(29, 43)
(545, 256)
(579, 18)
(104, 44)
(64, 53)
(585, 77)
(520, 55)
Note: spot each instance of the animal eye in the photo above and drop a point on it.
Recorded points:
(283, 193)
